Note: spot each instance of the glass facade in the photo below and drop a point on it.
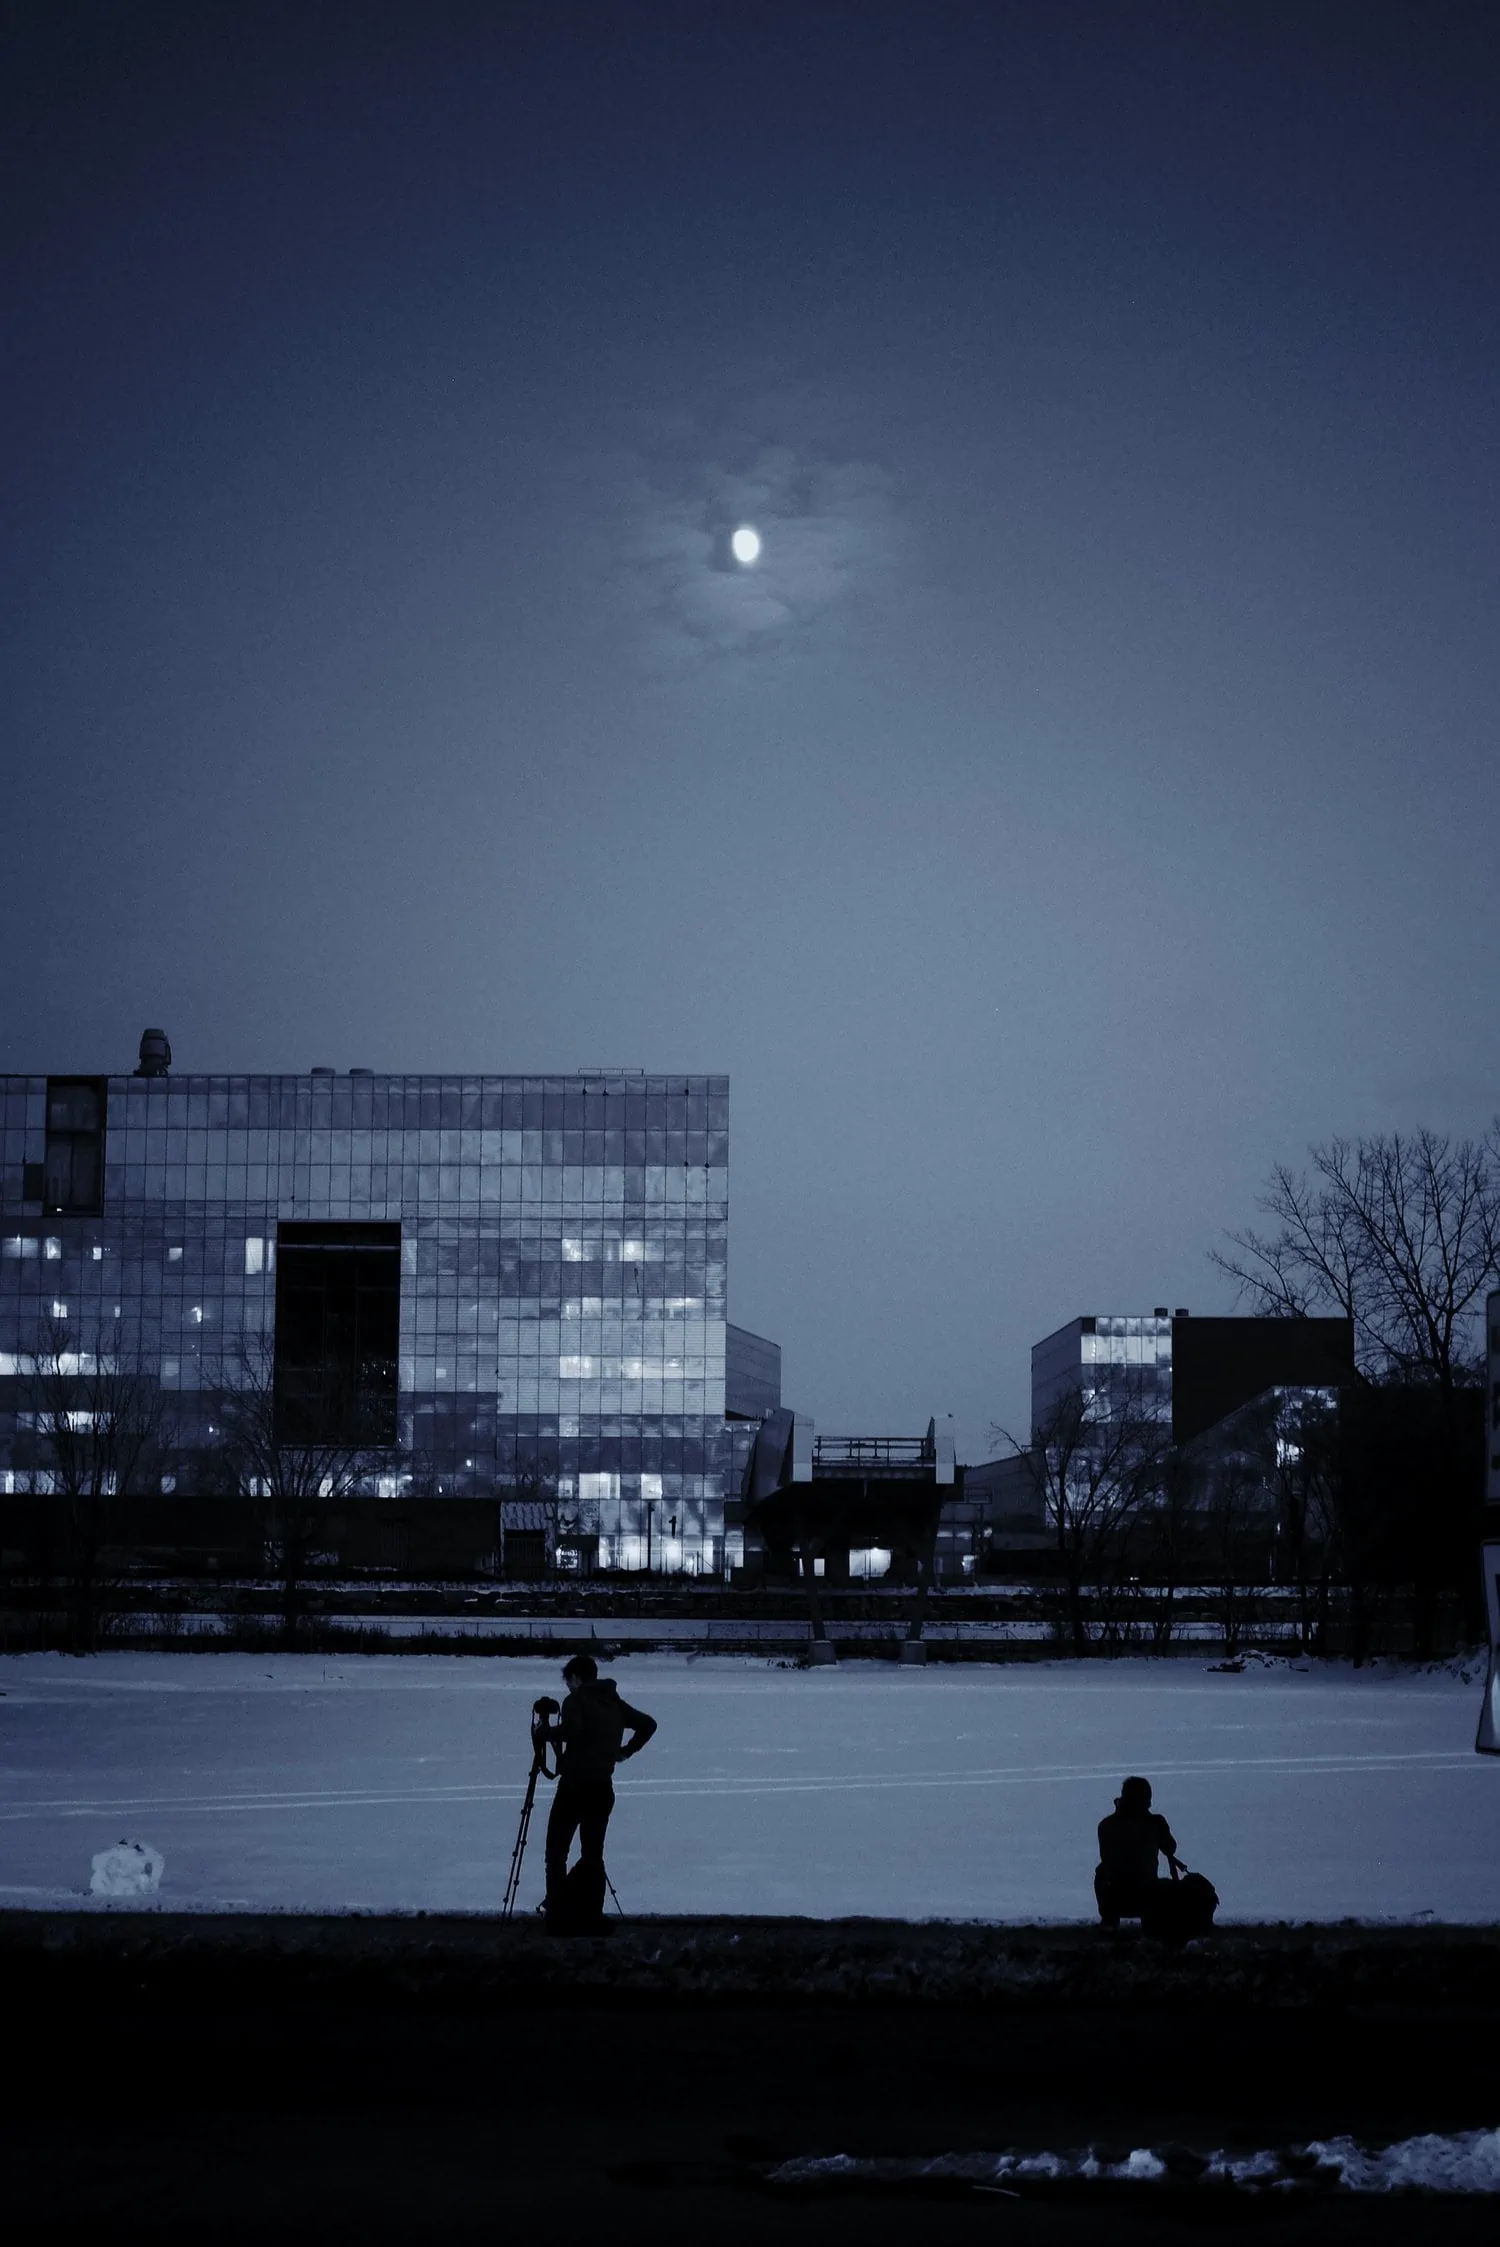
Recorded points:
(1190, 1372)
(563, 1249)
(752, 1375)
(1118, 1363)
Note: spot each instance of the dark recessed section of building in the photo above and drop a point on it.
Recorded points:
(73, 1175)
(338, 1326)
(1220, 1364)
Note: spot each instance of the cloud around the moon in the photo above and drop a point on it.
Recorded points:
(826, 526)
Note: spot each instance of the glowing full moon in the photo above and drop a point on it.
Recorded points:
(745, 545)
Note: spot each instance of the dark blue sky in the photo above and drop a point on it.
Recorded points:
(1089, 798)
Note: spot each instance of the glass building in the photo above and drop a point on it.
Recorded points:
(486, 1284)
(1188, 1372)
(1118, 1364)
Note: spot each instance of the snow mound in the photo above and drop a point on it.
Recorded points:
(1466, 2162)
(131, 1868)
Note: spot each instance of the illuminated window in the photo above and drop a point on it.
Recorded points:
(52, 1250)
(867, 1561)
(174, 1255)
(255, 1254)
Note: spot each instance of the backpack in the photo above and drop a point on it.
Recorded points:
(1184, 1908)
(581, 1911)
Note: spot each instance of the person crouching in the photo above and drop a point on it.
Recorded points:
(1131, 1839)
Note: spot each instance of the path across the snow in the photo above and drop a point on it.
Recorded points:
(394, 1783)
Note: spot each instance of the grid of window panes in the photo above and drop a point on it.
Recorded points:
(564, 1263)
(1120, 1363)
(1127, 1362)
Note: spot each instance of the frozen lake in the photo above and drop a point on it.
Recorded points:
(395, 1782)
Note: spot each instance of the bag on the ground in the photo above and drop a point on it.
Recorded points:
(581, 1911)
(1184, 1908)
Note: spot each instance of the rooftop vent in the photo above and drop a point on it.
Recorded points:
(1160, 1312)
(322, 1072)
(1182, 1312)
(156, 1054)
(361, 1072)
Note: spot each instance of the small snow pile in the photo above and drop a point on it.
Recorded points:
(981, 2169)
(1469, 1666)
(1256, 1658)
(131, 1868)
(1467, 2162)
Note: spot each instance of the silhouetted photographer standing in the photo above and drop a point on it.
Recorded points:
(590, 1734)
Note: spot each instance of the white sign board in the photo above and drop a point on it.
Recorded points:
(1487, 1739)
(1492, 1397)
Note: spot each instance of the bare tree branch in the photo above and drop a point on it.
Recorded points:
(1092, 1460)
(104, 1427)
(1398, 1234)
(297, 1481)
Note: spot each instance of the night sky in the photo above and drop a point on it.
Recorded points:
(1088, 799)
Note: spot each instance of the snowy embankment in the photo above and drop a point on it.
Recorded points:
(1466, 2161)
(316, 1783)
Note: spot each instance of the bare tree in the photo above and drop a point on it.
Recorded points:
(1303, 1471)
(1402, 1236)
(1268, 1497)
(1093, 1459)
(1399, 1234)
(297, 1480)
(1163, 1541)
(1236, 1516)
(103, 1427)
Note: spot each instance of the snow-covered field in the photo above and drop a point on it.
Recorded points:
(395, 1782)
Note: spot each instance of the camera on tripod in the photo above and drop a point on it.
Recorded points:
(543, 1711)
(542, 1733)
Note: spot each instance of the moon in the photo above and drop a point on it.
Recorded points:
(745, 545)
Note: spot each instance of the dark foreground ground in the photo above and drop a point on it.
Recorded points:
(176, 2078)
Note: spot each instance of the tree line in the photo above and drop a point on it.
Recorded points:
(104, 1431)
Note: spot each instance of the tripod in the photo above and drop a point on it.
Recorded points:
(540, 1769)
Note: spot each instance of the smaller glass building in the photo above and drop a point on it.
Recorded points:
(1118, 1363)
(1189, 1372)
